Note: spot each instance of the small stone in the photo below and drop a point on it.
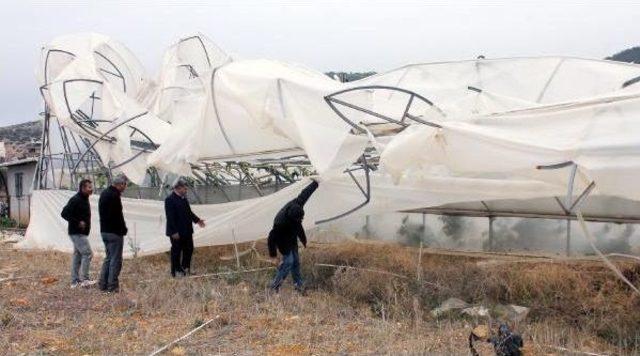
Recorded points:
(19, 302)
(481, 332)
(178, 351)
(48, 280)
(449, 304)
(511, 312)
(519, 312)
(478, 311)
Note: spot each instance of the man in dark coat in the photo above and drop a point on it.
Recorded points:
(77, 213)
(180, 220)
(113, 229)
(287, 229)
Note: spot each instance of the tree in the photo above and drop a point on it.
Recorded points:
(631, 55)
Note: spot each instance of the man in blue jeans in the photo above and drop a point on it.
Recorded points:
(113, 229)
(287, 229)
(77, 213)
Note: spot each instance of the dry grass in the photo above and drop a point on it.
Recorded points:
(575, 304)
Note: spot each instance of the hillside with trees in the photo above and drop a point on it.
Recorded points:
(630, 55)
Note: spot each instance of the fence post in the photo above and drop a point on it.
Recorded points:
(367, 227)
(491, 218)
(419, 272)
(568, 248)
(235, 248)
(19, 212)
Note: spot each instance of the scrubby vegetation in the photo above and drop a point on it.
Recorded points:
(379, 304)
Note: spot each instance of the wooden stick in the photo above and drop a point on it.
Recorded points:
(235, 248)
(362, 269)
(375, 271)
(213, 274)
(559, 348)
(181, 338)
(419, 272)
(231, 272)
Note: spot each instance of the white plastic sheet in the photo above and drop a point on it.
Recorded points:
(493, 123)
(249, 220)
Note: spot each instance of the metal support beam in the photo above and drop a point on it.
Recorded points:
(491, 218)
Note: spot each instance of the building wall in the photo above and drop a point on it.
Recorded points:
(19, 204)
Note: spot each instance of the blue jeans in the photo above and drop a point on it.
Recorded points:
(81, 258)
(112, 264)
(290, 263)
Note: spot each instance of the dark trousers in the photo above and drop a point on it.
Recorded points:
(181, 252)
(112, 262)
(290, 263)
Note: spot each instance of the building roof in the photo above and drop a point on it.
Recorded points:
(19, 162)
(20, 141)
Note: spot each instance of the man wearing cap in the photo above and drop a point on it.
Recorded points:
(113, 229)
(180, 220)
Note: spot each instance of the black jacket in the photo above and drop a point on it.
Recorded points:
(76, 210)
(110, 208)
(180, 218)
(287, 225)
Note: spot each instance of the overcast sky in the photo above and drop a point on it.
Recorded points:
(326, 35)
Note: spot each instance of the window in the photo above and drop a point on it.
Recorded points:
(18, 182)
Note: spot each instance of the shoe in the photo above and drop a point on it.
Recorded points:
(87, 283)
(112, 290)
(75, 285)
(187, 271)
(178, 274)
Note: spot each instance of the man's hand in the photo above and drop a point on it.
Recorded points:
(275, 260)
(316, 179)
(82, 225)
(201, 223)
(175, 236)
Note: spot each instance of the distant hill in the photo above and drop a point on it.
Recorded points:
(20, 141)
(349, 76)
(631, 55)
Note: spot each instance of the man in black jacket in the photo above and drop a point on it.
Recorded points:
(77, 213)
(287, 228)
(113, 229)
(180, 220)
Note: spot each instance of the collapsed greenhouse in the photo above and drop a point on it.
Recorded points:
(554, 137)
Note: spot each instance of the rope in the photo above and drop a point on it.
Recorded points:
(362, 269)
(214, 274)
(564, 349)
(231, 272)
(604, 258)
(624, 255)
